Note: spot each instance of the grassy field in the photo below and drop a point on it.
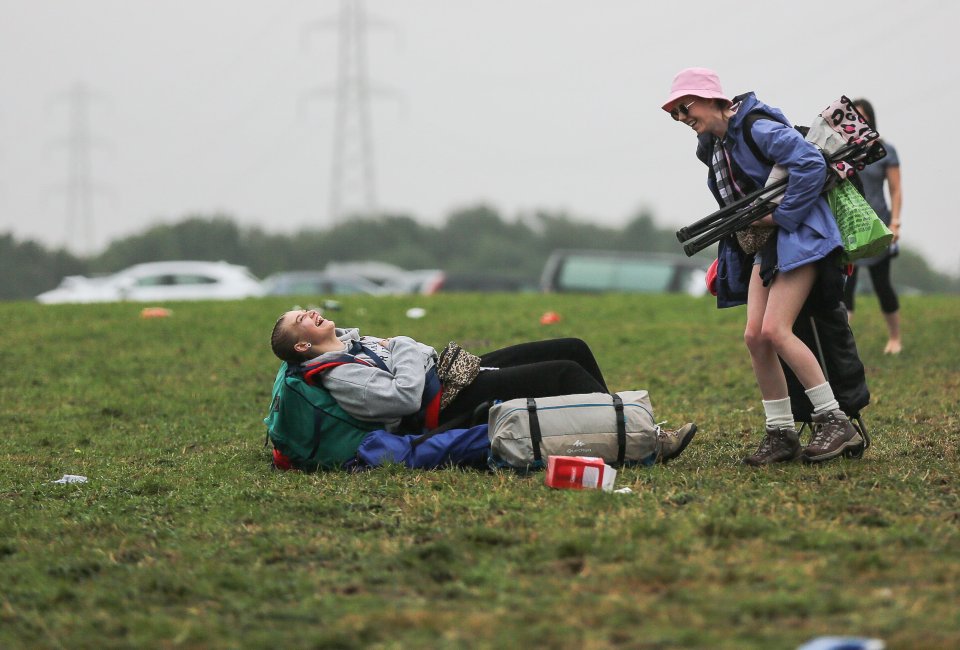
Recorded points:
(184, 537)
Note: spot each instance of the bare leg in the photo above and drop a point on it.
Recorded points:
(787, 295)
(763, 356)
(894, 346)
(777, 308)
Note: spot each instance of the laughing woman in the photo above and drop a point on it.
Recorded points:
(388, 380)
(776, 277)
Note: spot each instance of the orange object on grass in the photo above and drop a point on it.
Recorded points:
(155, 312)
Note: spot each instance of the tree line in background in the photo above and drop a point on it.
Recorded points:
(475, 241)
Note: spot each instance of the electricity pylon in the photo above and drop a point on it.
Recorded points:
(79, 187)
(352, 174)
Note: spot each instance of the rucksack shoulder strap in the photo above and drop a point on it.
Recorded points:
(748, 121)
(312, 374)
(355, 348)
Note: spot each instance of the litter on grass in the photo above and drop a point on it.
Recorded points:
(579, 473)
(71, 478)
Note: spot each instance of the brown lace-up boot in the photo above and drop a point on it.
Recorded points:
(672, 443)
(833, 433)
(777, 446)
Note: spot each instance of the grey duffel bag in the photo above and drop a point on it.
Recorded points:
(619, 428)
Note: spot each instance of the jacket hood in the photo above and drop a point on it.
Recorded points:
(749, 103)
(743, 104)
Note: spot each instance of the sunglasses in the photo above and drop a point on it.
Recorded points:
(681, 109)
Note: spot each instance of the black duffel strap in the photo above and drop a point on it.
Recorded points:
(535, 436)
(621, 429)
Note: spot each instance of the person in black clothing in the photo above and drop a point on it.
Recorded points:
(885, 171)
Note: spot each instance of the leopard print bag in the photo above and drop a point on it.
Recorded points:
(752, 238)
(456, 369)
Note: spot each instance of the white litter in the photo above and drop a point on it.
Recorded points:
(623, 490)
(71, 478)
(416, 312)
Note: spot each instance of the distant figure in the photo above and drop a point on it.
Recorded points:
(886, 170)
(774, 277)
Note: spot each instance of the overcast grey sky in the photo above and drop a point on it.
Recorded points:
(521, 104)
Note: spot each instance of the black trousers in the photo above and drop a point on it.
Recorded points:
(880, 276)
(539, 369)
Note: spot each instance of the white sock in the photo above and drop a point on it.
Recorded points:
(779, 413)
(822, 398)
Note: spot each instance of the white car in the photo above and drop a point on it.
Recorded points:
(159, 281)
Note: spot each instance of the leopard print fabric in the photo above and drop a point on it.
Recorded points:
(456, 369)
(753, 238)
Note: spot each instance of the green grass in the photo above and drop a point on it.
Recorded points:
(185, 537)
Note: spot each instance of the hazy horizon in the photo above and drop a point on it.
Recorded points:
(202, 108)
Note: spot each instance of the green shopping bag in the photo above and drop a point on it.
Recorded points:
(861, 230)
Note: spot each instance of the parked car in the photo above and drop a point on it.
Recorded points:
(159, 281)
(422, 281)
(487, 281)
(597, 271)
(392, 278)
(326, 283)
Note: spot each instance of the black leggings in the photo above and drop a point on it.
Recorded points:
(539, 369)
(880, 276)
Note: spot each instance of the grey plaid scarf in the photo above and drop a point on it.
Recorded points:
(720, 164)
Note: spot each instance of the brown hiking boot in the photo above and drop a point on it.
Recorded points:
(672, 443)
(777, 446)
(833, 434)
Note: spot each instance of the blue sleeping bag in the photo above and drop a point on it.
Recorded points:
(455, 447)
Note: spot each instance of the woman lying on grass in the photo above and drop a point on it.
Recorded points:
(390, 380)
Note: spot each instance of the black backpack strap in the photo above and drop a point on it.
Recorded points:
(748, 135)
(360, 347)
(535, 436)
(621, 429)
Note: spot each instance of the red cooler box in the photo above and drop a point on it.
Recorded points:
(579, 473)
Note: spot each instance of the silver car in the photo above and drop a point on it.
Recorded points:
(322, 283)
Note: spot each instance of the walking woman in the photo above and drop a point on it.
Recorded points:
(776, 276)
(886, 170)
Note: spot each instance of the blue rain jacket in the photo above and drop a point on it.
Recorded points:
(808, 230)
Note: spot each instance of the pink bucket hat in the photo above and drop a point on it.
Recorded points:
(699, 82)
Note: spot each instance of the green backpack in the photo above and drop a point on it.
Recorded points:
(308, 427)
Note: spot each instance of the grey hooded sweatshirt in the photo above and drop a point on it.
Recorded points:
(367, 392)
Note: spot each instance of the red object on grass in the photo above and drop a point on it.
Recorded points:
(575, 472)
(549, 318)
(280, 461)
